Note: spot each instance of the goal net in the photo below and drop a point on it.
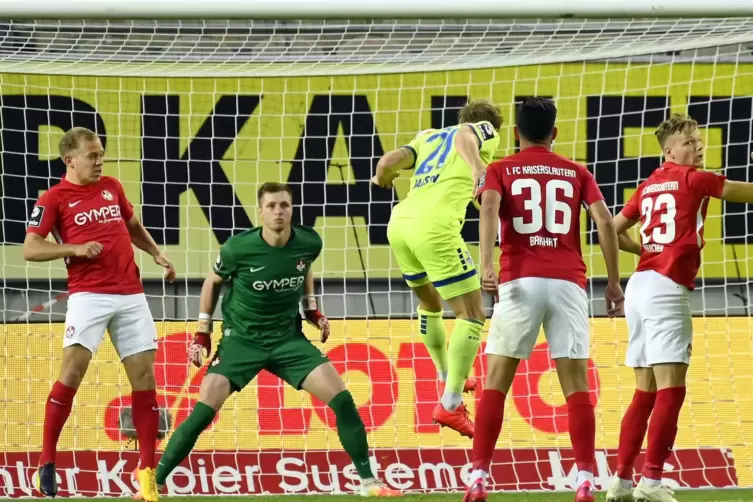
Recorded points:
(195, 115)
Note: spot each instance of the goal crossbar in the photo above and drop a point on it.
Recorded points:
(342, 9)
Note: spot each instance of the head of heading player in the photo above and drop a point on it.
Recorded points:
(680, 141)
(275, 212)
(480, 110)
(83, 155)
(535, 122)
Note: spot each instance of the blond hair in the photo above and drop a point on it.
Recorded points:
(73, 138)
(676, 124)
(480, 110)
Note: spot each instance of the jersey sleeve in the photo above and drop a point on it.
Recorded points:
(590, 192)
(126, 208)
(491, 179)
(631, 210)
(706, 183)
(488, 139)
(45, 215)
(317, 245)
(415, 143)
(225, 264)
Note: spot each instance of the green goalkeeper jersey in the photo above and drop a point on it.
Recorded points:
(442, 183)
(265, 283)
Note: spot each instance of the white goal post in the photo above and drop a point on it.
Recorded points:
(199, 103)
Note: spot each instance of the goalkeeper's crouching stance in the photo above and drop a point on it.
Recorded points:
(267, 270)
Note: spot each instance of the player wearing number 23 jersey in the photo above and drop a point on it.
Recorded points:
(670, 207)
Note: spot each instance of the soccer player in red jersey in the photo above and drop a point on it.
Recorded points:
(94, 226)
(537, 195)
(671, 206)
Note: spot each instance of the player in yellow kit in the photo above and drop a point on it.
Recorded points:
(424, 232)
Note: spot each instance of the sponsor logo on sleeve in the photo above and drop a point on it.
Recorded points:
(35, 219)
(487, 131)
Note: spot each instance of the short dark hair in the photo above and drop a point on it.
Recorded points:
(480, 110)
(536, 117)
(73, 138)
(272, 187)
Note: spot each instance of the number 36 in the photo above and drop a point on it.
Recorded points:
(553, 206)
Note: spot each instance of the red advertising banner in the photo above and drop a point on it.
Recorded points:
(109, 473)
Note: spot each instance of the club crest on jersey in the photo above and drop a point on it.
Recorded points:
(70, 331)
(301, 265)
(106, 195)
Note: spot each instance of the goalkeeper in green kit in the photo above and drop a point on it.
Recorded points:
(268, 275)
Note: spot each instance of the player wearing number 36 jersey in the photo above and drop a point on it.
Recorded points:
(671, 208)
(424, 233)
(537, 196)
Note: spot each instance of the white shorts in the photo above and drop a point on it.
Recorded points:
(657, 310)
(126, 317)
(527, 303)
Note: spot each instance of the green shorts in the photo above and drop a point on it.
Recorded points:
(240, 360)
(437, 255)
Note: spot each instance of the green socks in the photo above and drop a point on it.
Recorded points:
(352, 433)
(464, 343)
(431, 328)
(183, 440)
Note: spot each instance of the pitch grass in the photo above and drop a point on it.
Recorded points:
(731, 495)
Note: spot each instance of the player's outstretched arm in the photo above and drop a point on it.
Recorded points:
(202, 342)
(627, 244)
(143, 240)
(310, 309)
(490, 202)
(37, 248)
(737, 191)
(390, 165)
(610, 250)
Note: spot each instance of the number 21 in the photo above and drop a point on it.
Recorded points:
(447, 137)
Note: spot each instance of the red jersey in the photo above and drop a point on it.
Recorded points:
(77, 214)
(542, 193)
(671, 205)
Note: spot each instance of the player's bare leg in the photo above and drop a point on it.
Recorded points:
(145, 412)
(662, 431)
(573, 377)
(325, 383)
(214, 391)
(73, 368)
(433, 334)
(489, 416)
(632, 433)
(464, 343)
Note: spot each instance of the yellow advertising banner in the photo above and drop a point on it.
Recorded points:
(191, 153)
(393, 381)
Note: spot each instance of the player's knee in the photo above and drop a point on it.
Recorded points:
(74, 365)
(500, 372)
(140, 370)
(344, 407)
(573, 375)
(670, 375)
(214, 391)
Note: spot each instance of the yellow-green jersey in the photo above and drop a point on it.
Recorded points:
(442, 183)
